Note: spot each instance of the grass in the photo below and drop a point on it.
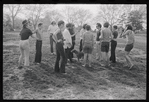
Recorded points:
(40, 82)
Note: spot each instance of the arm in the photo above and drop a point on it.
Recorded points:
(101, 36)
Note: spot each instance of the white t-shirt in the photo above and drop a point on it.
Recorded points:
(52, 29)
(130, 36)
(67, 37)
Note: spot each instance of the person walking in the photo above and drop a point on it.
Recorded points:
(24, 45)
(51, 29)
(60, 53)
(98, 43)
(88, 43)
(106, 36)
(39, 35)
(128, 32)
(114, 44)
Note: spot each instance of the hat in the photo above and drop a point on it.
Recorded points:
(24, 22)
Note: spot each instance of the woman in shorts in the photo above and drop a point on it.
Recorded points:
(129, 45)
(87, 42)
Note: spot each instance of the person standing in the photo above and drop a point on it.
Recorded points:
(88, 43)
(106, 36)
(67, 42)
(58, 37)
(83, 30)
(98, 43)
(114, 44)
(24, 45)
(39, 39)
(52, 28)
(129, 45)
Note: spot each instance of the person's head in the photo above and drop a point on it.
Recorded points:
(84, 26)
(129, 27)
(61, 25)
(25, 24)
(88, 27)
(98, 26)
(40, 25)
(68, 25)
(114, 27)
(106, 24)
(53, 23)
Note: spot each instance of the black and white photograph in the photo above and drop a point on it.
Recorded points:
(74, 51)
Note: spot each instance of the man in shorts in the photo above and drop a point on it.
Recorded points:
(106, 36)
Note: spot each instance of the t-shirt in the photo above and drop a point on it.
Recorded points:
(115, 34)
(130, 36)
(106, 34)
(25, 33)
(52, 28)
(98, 34)
(88, 39)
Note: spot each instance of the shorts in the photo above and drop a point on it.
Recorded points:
(87, 49)
(105, 47)
(128, 47)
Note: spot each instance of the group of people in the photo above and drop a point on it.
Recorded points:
(63, 36)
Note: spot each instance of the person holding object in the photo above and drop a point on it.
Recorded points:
(60, 53)
(106, 36)
(114, 44)
(52, 28)
(24, 45)
(129, 45)
(88, 45)
(67, 42)
(98, 43)
(39, 35)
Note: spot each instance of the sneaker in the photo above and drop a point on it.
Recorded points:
(90, 66)
(84, 65)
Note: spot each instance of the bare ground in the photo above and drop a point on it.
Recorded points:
(40, 82)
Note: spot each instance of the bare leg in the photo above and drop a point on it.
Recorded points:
(107, 59)
(128, 59)
(90, 59)
(85, 58)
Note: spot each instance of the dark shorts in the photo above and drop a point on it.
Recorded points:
(87, 49)
(128, 47)
(105, 46)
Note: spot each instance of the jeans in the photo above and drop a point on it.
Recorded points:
(51, 43)
(113, 47)
(24, 50)
(80, 45)
(60, 54)
(72, 47)
(38, 51)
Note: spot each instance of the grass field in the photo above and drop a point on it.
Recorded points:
(39, 82)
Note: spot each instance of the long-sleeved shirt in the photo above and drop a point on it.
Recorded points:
(81, 33)
(68, 39)
(52, 29)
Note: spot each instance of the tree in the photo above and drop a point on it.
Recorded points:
(14, 10)
(34, 12)
(76, 15)
(135, 18)
(7, 24)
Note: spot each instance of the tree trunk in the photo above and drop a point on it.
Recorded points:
(13, 23)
